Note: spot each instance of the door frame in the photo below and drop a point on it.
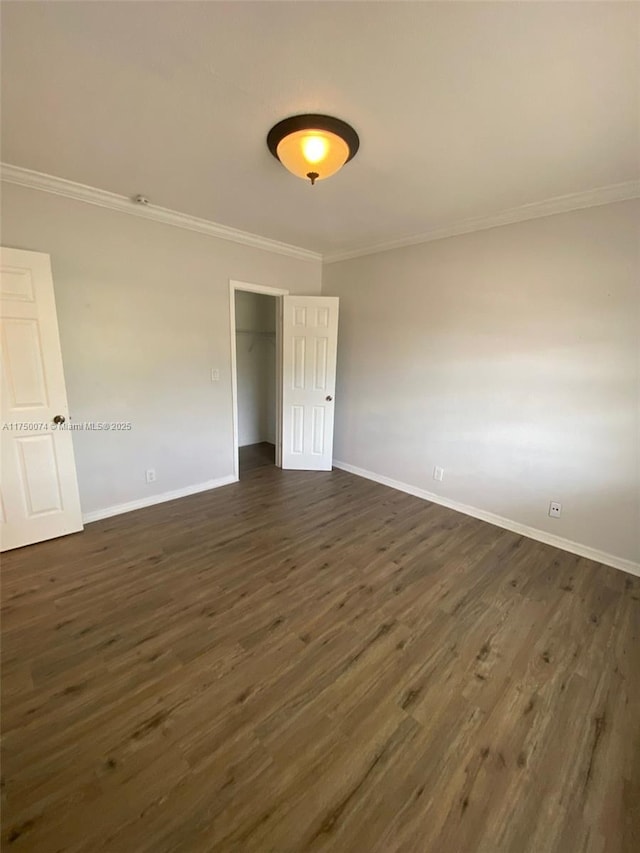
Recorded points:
(278, 293)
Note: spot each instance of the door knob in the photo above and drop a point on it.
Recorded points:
(59, 419)
(328, 398)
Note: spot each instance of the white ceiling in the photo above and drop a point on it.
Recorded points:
(463, 109)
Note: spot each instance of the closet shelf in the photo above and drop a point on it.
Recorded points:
(253, 332)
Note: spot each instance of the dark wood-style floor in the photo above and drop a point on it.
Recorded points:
(315, 662)
(256, 456)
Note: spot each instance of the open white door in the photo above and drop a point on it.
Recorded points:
(309, 344)
(39, 491)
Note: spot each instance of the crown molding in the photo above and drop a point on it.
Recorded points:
(102, 198)
(536, 210)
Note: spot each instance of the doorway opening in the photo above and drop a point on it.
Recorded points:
(255, 327)
(303, 349)
(256, 376)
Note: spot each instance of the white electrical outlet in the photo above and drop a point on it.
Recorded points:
(150, 475)
(215, 374)
(555, 509)
(438, 473)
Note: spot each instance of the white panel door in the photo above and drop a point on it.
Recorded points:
(38, 487)
(309, 344)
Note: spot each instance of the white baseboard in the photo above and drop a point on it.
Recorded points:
(118, 509)
(498, 520)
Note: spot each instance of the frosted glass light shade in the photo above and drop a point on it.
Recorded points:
(313, 146)
(313, 151)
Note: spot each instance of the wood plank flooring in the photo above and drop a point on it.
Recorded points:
(255, 456)
(313, 662)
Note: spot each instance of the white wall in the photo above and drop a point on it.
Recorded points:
(510, 358)
(143, 310)
(256, 367)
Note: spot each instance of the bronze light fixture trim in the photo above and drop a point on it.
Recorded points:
(313, 146)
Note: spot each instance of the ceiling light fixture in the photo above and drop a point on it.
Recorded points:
(313, 146)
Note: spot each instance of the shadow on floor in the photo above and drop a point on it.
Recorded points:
(256, 456)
